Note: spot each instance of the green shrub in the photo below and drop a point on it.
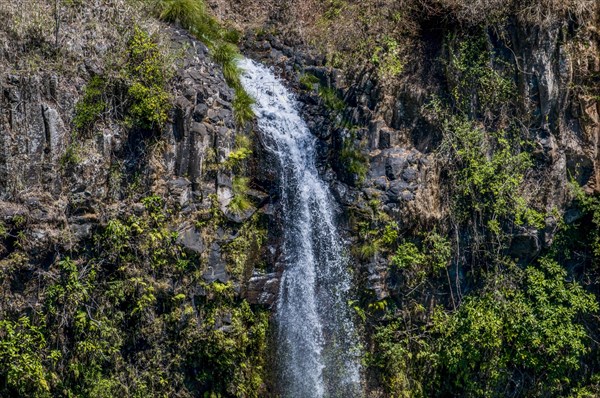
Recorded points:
(487, 171)
(408, 255)
(525, 325)
(308, 81)
(331, 99)
(71, 156)
(242, 150)
(428, 257)
(240, 203)
(479, 87)
(91, 105)
(386, 58)
(232, 36)
(22, 348)
(147, 74)
(353, 160)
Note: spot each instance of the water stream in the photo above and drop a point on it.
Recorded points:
(316, 340)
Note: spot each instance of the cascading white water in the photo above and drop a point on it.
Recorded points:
(317, 341)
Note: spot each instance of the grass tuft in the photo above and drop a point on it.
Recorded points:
(240, 203)
(242, 107)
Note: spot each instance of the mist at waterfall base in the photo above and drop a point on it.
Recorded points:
(317, 343)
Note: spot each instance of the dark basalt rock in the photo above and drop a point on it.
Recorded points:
(262, 289)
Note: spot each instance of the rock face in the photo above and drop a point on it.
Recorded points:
(400, 142)
(378, 151)
(64, 201)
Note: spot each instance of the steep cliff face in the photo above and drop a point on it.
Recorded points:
(459, 138)
(127, 243)
(139, 216)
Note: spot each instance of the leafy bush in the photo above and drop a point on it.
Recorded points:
(71, 156)
(308, 81)
(331, 99)
(240, 203)
(242, 150)
(90, 107)
(478, 84)
(520, 335)
(526, 326)
(386, 58)
(22, 349)
(147, 76)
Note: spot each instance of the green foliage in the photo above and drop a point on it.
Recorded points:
(386, 58)
(192, 15)
(186, 12)
(243, 253)
(132, 315)
(147, 74)
(242, 107)
(91, 105)
(308, 81)
(521, 334)
(243, 149)
(71, 156)
(477, 88)
(353, 160)
(377, 231)
(487, 171)
(486, 182)
(408, 255)
(331, 99)
(530, 328)
(231, 35)
(395, 360)
(428, 259)
(22, 349)
(590, 204)
(144, 74)
(226, 55)
(233, 341)
(240, 203)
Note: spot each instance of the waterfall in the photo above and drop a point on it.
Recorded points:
(317, 344)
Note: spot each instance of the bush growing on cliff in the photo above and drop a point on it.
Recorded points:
(242, 107)
(240, 203)
(90, 107)
(331, 99)
(525, 333)
(144, 75)
(353, 160)
(482, 150)
(131, 315)
(147, 75)
(22, 352)
(522, 334)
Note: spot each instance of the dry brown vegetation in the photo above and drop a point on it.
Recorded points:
(351, 33)
(61, 34)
